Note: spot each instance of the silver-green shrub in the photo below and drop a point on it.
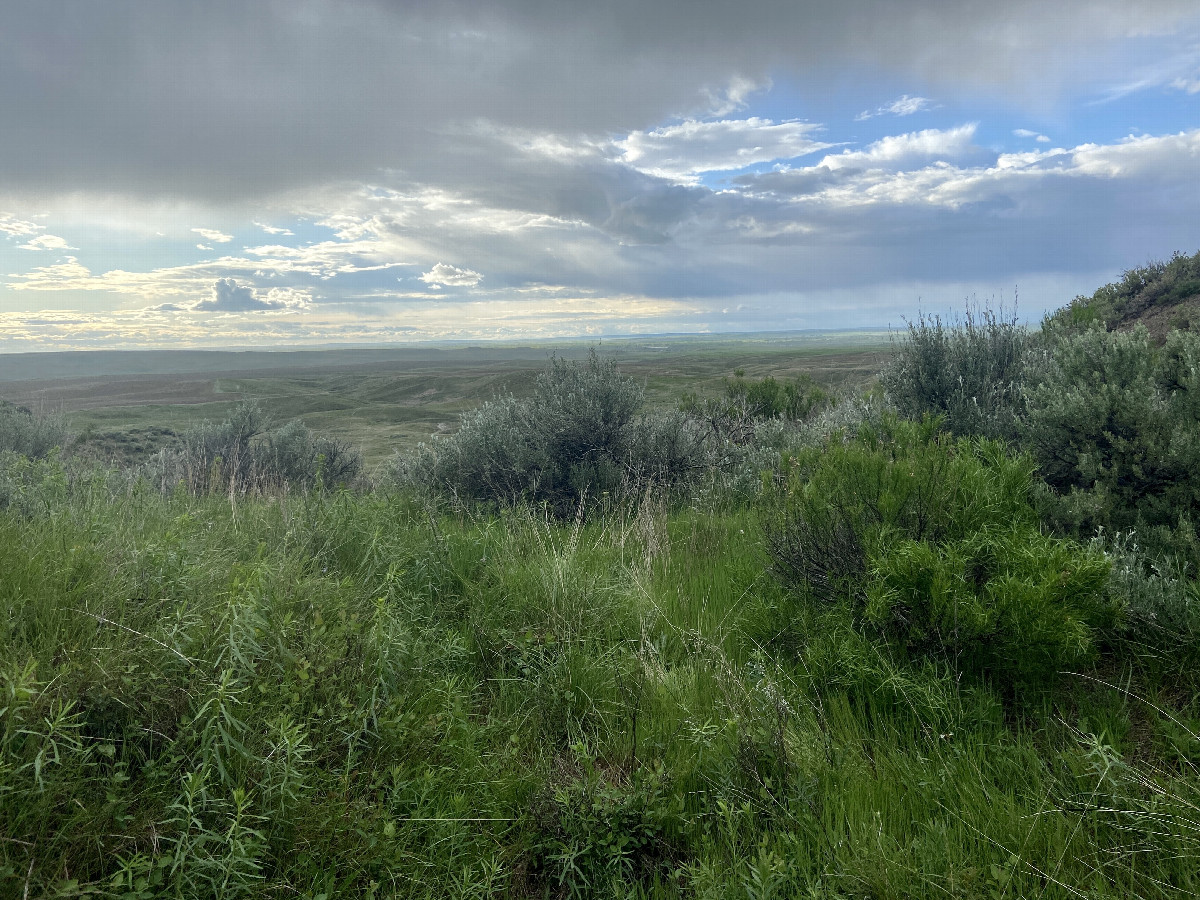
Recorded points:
(1160, 606)
(32, 434)
(579, 434)
(243, 454)
(970, 372)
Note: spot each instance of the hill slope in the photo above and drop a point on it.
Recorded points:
(1160, 295)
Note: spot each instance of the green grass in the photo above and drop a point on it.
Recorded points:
(360, 695)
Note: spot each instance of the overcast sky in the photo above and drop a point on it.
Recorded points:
(175, 173)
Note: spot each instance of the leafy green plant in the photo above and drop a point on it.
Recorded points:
(1011, 604)
(1113, 426)
(935, 543)
(598, 835)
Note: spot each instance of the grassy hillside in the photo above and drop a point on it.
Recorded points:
(1160, 295)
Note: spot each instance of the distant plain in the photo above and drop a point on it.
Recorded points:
(129, 403)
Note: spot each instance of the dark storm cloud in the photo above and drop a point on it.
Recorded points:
(225, 100)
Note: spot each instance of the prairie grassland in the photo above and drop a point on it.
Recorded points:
(326, 695)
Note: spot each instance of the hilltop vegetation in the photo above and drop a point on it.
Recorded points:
(938, 639)
(1161, 296)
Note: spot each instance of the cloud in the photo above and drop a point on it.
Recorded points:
(692, 147)
(273, 229)
(229, 296)
(906, 149)
(915, 208)
(903, 105)
(735, 94)
(340, 90)
(1026, 133)
(14, 227)
(211, 234)
(47, 242)
(61, 276)
(451, 276)
(1188, 85)
(550, 313)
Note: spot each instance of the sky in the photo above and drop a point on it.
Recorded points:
(308, 172)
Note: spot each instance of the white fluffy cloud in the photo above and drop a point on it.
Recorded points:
(451, 276)
(47, 242)
(14, 227)
(1026, 133)
(229, 296)
(211, 234)
(693, 147)
(905, 150)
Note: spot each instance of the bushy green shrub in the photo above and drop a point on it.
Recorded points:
(32, 434)
(935, 542)
(578, 435)
(243, 454)
(970, 372)
(1010, 602)
(1114, 423)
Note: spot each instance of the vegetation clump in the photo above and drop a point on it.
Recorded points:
(244, 454)
(748, 402)
(1112, 422)
(971, 373)
(579, 435)
(934, 541)
(29, 433)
